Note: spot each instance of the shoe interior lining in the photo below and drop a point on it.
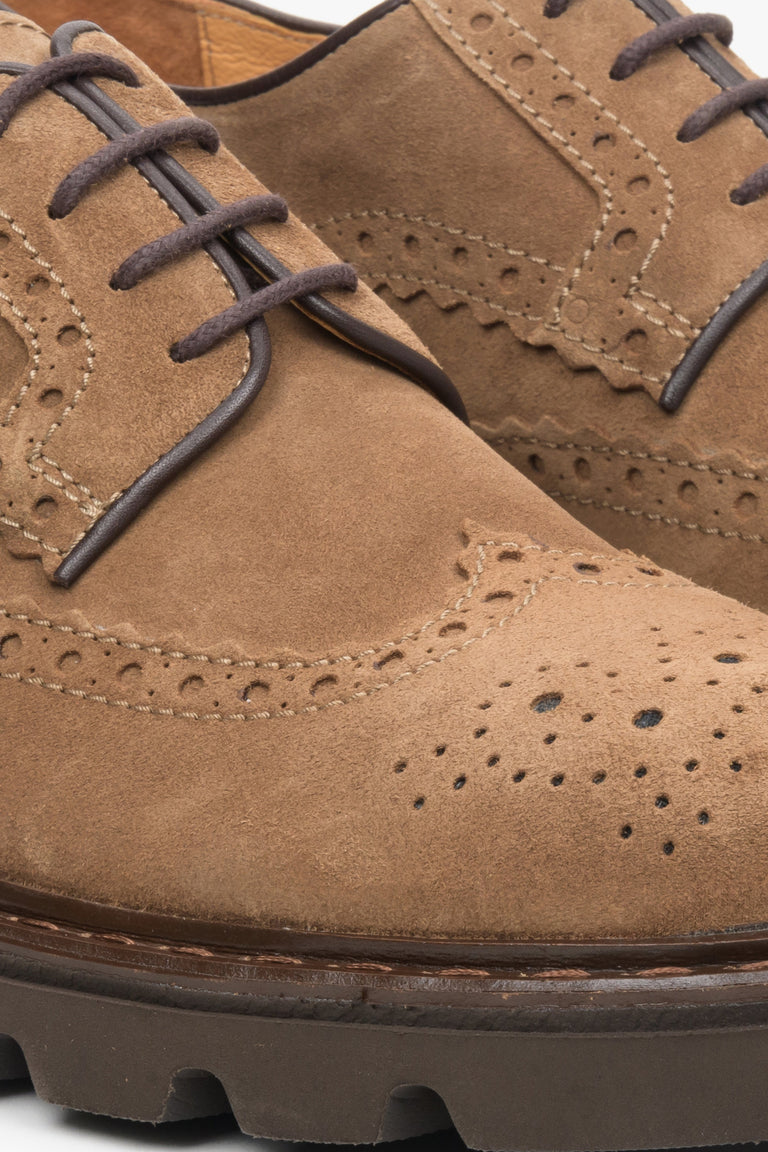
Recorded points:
(190, 43)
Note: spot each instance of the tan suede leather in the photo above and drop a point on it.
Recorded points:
(350, 672)
(558, 248)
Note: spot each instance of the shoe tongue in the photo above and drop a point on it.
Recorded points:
(21, 41)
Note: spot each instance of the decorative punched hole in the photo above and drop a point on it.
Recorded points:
(703, 817)
(459, 784)
(519, 777)
(738, 708)
(130, 674)
(69, 660)
(365, 242)
(510, 554)
(692, 765)
(192, 685)
(550, 739)
(746, 505)
(626, 832)
(536, 463)
(440, 750)
(639, 185)
(419, 804)
(401, 766)
(523, 63)
(51, 398)
(586, 568)
(484, 707)
(454, 626)
(582, 469)
(45, 507)
(461, 255)
(587, 718)
(480, 732)
(547, 703)
(481, 22)
(324, 687)
(68, 335)
(669, 848)
(382, 663)
(412, 245)
(641, 772)
(10, 646)
(493, 761)
(508, 279)
(557, 780)
(662, 801)
(736, 766)
(728, 658)
(500, 595)
(635, 479)
(625, 240)
(599, 777)
(649, 718)
(719, 734)
(649, 571)
(604, 140)
(255, 692)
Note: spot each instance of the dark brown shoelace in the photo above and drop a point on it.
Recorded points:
(190, 237)
(678, 31)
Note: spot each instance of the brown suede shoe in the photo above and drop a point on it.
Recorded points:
(564, 205)
(346, 780)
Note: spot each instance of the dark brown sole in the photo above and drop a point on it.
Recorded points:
(358, 1052)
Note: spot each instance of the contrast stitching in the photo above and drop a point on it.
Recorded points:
(602, 184)
(275, 666)
(37, 452)
(571, 446)
(30, 535)
(387, 214)
(672, 521)
(37, 353)
(388, 277)
(288, 713)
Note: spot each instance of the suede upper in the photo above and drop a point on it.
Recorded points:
(350, 672)
(555, 244)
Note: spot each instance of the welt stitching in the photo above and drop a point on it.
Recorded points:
(37, 681)
(293, 961)
(569, 445)
(157, 650)
(671, 203)
(388, 277)
(672, 521)
(387, 214)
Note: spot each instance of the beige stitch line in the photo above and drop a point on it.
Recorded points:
(30, 535)
(38, 682)
(288, 713)
(517, 253)
(156, 650)
(386, 214)
(672, 521)
(37, 353)
(607, 450)
(635, 282)
(37, 450)
(390, 276)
